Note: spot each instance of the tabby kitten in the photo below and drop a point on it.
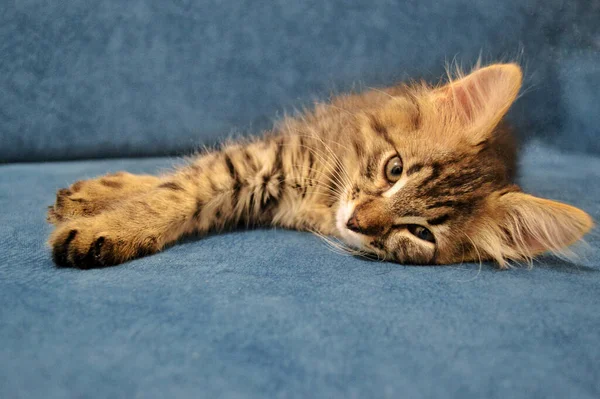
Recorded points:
(411, 174)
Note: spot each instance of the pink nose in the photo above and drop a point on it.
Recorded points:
(353, 224)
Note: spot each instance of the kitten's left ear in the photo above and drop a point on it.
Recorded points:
(478, 101)
(523, 226)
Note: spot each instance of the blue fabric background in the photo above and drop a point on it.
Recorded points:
(273, 313)
(82, 79)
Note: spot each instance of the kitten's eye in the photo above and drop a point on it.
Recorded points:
(421, 233)
(393, 169)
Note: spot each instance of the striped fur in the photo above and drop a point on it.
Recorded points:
(324, 171)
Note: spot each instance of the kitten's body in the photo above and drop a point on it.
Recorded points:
(328, 171)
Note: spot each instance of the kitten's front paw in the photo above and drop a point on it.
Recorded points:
(86, 243)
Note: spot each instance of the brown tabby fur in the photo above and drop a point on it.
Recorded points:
(326, 169)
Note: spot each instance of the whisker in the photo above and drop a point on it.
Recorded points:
(478, 256)
(315, 135)
(335, 177)
(340, 172)
(380, 91)
(333, 189)
(341, 246)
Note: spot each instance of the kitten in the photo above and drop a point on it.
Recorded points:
(411, 173)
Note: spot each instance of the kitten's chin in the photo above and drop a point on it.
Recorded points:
(351, 238)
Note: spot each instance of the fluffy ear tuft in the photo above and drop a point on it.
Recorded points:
(478, 101)
(523, 226)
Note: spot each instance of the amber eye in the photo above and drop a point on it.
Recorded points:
(421, 233)
(393, 169)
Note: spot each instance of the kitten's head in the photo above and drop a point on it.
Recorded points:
(435, 182)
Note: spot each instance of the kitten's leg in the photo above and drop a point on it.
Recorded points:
(239, 184)
(273, 181)
(90, 197)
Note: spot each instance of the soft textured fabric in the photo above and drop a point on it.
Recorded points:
(273, 313)
(82, 79)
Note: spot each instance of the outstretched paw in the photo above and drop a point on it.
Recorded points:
(93, 242)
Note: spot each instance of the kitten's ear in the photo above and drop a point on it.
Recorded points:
(525, 226)
(479, 100)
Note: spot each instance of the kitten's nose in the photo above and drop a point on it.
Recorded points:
(353, 224)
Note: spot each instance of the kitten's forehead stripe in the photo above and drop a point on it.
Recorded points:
(414, 169)
(443, 204)
(436, 170)
(378, 127)
(358, 148)
(381, 130)
(439, 219)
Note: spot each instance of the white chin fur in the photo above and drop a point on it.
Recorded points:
(343, 215)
